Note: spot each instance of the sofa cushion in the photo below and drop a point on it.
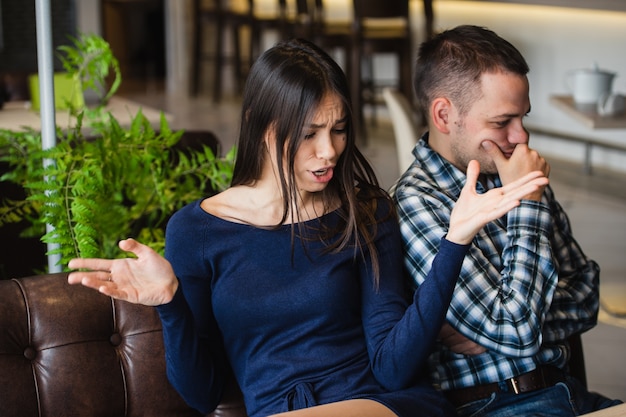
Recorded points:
(70, 351)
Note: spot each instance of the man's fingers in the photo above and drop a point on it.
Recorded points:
(493, 151)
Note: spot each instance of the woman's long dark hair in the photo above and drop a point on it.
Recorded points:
(284, 88)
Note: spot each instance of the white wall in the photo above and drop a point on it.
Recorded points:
(554, 40)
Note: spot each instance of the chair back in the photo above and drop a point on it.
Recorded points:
(303, 6)
(327, 32)
(405, 126)
(380, 9)
(382, 21)
(305, 24)
(378, 27)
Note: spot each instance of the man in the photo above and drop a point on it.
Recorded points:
(525, 285)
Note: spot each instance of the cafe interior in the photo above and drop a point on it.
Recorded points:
(188, 60)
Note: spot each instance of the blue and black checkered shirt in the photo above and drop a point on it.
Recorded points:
(525, 285)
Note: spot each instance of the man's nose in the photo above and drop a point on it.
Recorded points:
(518, 134)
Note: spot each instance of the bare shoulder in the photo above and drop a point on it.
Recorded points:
(243, 204)
(223, 205)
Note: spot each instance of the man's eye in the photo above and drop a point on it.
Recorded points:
(309, 135)
(503, 123)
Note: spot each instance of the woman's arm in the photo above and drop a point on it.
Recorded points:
(399, 338)
(194, 355)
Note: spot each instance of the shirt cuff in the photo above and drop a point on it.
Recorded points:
(530, 217)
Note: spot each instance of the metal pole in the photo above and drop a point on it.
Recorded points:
(45, 66)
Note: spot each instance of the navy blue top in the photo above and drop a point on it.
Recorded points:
(298, 325)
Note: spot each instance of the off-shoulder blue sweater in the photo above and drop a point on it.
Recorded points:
(299, 325)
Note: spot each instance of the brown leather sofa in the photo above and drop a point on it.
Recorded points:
(66, 350)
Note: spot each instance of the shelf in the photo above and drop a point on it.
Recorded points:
(589, 117)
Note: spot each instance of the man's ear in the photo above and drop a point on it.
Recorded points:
(441, 110)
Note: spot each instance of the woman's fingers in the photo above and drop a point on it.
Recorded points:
(147, 278)
(472, 173)
(91, 273)
(525, 187)
(506, 198)
(138, 249)
(534, 177)
(94, 264)
(473, 211)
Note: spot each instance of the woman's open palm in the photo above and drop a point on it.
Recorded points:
(473, 211)
(146, 279)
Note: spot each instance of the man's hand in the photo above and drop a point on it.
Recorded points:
(522, 161)
(458, 343)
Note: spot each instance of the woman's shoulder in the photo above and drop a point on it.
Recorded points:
(231, 205)
(187, 219)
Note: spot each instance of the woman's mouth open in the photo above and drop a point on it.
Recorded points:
(323, 175)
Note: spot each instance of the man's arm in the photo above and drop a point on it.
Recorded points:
(577, 297)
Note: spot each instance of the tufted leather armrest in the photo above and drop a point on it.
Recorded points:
(69, 351)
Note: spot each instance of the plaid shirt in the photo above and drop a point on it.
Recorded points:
(525, 285)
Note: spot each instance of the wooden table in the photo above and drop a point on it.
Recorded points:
(616, 411)
(589, 117)
(15, 115)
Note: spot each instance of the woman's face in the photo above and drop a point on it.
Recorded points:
(324, 140)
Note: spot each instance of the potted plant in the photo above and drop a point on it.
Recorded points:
(87, 62)
(104, 182)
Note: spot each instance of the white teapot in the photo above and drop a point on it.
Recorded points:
(589, 85)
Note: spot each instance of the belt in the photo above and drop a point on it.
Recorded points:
(541, 377)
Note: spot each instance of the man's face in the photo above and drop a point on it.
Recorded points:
(495, 116)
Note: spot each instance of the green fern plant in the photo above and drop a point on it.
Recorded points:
(91, 61)
(112, 183)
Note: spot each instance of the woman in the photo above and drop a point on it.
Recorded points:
(293, 276)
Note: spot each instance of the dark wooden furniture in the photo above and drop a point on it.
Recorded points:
(379, 26)
(221, 21)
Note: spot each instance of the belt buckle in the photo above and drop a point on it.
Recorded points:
(514, 385)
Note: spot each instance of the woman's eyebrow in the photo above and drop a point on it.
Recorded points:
(320, 125)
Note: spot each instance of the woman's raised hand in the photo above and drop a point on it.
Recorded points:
(147, 279)
(473, 211)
